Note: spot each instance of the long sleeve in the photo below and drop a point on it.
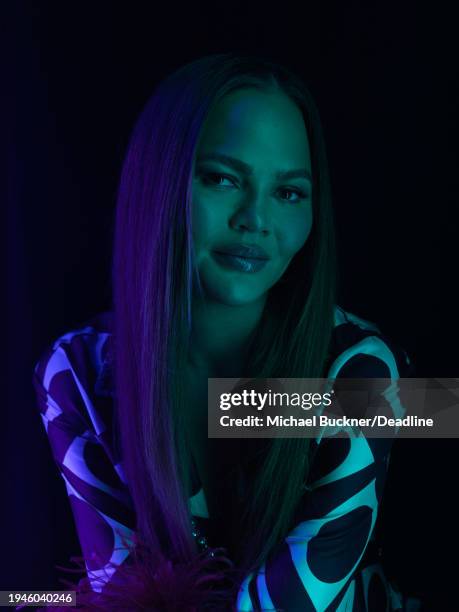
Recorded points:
(315, 567)
(100, 503)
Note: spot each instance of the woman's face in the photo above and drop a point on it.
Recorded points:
(251, 188)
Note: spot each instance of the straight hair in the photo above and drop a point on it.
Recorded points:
(152, 278)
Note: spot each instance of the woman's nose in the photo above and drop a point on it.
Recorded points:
(251, 215)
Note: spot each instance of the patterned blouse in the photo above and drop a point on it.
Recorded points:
(328, 561)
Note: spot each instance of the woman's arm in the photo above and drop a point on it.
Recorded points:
(100, 504)
(315, 566)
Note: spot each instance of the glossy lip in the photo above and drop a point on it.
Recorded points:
(242, 264)
(250, 251)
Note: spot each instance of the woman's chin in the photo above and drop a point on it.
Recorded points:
(234, 296)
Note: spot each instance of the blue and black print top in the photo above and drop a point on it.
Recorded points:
(324, 562)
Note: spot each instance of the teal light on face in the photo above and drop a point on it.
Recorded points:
(252, 186)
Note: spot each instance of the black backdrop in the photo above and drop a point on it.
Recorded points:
(385, 81)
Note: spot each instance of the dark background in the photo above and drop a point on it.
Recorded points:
(386, 85)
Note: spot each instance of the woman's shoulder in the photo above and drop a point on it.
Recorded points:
(86, 347)
(73, 374)
(359, 348)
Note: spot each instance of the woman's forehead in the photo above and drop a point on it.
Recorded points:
(258, 125)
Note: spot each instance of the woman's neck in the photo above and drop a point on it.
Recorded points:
(221, 336)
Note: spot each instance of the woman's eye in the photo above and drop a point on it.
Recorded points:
(223, 181)
(297, 194)
(214, 178)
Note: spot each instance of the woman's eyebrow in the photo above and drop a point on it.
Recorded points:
(244, 168)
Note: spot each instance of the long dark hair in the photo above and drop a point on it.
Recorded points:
(152, 278)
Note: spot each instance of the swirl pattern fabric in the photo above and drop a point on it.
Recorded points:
(323, 564)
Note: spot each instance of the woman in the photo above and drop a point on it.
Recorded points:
(223, 266)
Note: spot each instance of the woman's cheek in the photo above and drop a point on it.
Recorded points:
(200, 220)
(296, 236)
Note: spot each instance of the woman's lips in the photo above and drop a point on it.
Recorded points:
(236, 262)
(240, 249)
